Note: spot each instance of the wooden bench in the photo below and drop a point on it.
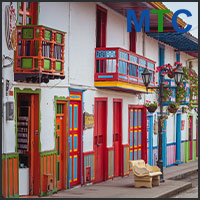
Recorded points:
(144, 174)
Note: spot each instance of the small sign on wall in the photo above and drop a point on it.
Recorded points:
(88, 120)
(182, 124)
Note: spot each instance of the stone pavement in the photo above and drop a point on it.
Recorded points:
(123, 187)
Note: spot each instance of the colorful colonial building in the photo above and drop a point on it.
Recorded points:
(73, 95)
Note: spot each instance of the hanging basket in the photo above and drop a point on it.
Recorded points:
(172, 109)
(151, 109)
(171, 74)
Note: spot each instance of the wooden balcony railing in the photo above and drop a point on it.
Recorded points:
(39, 54)
(117, 64)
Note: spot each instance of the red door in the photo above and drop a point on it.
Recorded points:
(60, 144)
(75, 143)
(138, 133)
(190, 136)
(117, 136)
(100, 140)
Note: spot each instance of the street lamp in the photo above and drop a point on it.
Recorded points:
(179, 75)
(146, 79)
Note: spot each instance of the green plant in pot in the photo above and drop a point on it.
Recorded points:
(151, 107)
(173, 107)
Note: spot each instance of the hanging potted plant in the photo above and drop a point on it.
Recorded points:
(173, 107)
(151, 107)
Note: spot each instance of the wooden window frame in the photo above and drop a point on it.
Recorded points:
(30, 12)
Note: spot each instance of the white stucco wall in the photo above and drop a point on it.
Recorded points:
(78, 20)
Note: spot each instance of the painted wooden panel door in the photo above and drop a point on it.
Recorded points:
(150, 139)
(117, 123)
(59, 145)
(100, 140)
(178, 138)
(190, 136)
(75, 143)
(135, 131)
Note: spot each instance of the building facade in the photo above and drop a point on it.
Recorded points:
(73, 97)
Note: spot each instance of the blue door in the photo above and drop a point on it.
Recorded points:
(178, 138)
(164, 143)
(150, 139)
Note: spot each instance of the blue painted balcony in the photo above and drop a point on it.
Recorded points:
(119, 69)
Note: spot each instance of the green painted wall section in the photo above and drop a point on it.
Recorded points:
(186, 152)
(195, 150)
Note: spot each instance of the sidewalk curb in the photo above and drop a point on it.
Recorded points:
(175, 191)
(183, 175)
(186, 186)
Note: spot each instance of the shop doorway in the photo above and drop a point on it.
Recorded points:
(100, 138)
(28, 143)
(75, 151)
(61, 143)
(117, 136)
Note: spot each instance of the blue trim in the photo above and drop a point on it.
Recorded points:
(75, 116)
(161, 55)
(75, 168)
(105, 76)
(139, 118)
(150, 137)
(135, 138)
(122, 77)
(131, 118)
(178, 56)
(172, 143)
(132, 79)
(76, 90)
(135, 155)
(178, 137)
(139, 138)
(131, 139)
(75, 96)
(131, 155)
(170, 165)
(135, 119)
(183, 42)
(75, 142)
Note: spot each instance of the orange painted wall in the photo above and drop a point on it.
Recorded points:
(10, 173)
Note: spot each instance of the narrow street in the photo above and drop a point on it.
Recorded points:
(192, 192)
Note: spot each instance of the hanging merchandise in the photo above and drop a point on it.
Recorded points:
(10, 27)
